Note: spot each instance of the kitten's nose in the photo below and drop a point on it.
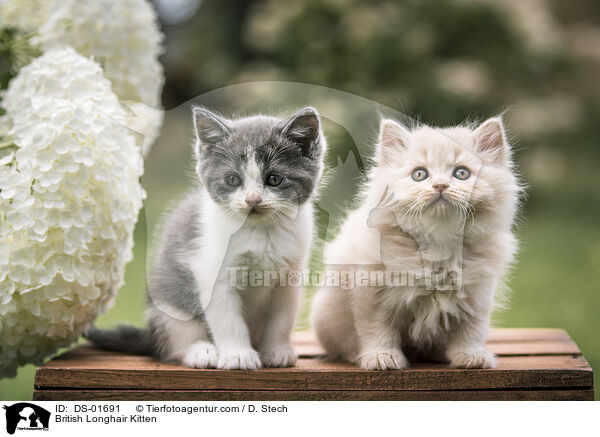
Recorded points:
(253, 199)
(440, 188)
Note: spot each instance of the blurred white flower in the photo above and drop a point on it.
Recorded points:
(69, 200)
(27, 15)
(123, 36)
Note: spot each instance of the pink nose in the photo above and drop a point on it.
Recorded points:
(440, 188)
(253, 199)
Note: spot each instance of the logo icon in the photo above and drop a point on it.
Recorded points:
(26, 416)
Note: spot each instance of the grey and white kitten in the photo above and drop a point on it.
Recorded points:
(253, 209)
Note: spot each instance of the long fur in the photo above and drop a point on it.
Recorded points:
(399, 227)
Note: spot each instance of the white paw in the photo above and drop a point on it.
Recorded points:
(279, 357)
(383, 360)
(200, 355)
(245, 359)
(472, 359)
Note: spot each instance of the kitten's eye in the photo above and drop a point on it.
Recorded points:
(420, 174)
(274, 180)
(461, 173)
(233, 180)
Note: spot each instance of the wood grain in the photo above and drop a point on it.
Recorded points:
(313, 395)
(564, 371)
(532, 364)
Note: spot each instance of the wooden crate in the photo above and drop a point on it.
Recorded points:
(534, 364)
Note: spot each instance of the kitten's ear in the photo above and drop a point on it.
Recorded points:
(303, 129)
(490, 140)
(393, 138)
(210, 128)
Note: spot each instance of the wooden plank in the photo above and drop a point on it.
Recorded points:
(554, 347)
(495, 335)
(533, 342)
(529, 334)
(313, 395)
(87, 368)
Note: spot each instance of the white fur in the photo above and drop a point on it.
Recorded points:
(252, 227)
(201, 355)
(470, 231)
(257, 317)
(185, 336)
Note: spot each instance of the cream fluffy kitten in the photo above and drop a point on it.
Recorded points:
(441, 203)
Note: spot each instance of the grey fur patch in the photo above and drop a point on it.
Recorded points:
(290, 147)
(171, 280)
(124, 339)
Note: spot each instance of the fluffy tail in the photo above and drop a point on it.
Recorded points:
(123, 339)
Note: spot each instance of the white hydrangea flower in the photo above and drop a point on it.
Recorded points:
(123, 36)
(69, 200)
(27, 15)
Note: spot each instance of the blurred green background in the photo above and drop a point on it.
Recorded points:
(439, 61)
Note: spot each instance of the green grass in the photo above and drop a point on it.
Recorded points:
(555, 282)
